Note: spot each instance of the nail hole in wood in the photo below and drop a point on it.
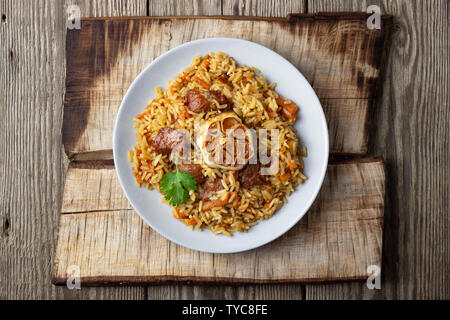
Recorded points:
(6, 226)
(3, 18)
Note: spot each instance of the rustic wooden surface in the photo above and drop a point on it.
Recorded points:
(412, 133)
(339, 56)
(97, 222)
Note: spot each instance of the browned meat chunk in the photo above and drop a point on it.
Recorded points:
(221, 99)
(250, 176)
(210, 187)
(194, 169)
(197, 102)
(166, 140)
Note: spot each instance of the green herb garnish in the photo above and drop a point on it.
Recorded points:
(176, 186)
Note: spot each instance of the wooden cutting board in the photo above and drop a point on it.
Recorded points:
(342, 233)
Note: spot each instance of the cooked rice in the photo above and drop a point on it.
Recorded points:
(254, 101)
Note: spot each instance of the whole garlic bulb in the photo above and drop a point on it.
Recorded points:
(225, 142)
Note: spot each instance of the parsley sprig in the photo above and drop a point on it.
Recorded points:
(176, 186)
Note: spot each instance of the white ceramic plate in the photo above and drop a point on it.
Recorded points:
(311, 129)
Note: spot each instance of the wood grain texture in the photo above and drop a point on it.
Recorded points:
(338, 239)
(185, 7)
(285, 291)
(289, 291)
(266, 8)
(108, 8)
(93, 188)
(411, 117)
(32, 162)
(412, 133)
(339, 56)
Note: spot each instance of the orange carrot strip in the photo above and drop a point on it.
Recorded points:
(285, 177)
(270, 113)
(143, 114)
(185, 77)
(289, 111)
(267, 204)
(292, 165)
(191, 222)
(280, 101)
(172, 90)
(207, 205)
(202, 83)
(186, 113)
(178, 215)
(205, 63)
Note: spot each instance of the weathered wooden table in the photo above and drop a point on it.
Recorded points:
(411, 133)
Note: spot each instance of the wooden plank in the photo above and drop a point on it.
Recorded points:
(32, 162)
(339, 56)
(265, 8)
(338, 239)
(185, 7)
(92, 186)
(348, 123)
(284, 291)
(412, 122)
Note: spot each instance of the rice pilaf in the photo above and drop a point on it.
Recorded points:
(234, 205)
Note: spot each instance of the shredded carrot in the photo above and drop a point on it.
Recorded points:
(191, 222)
(205, 63)
(143, 114)
(270, 114)
(285, 177)
(185, 113)
(207, 205)
(184, 77)
(292, 165)
(204, 84)
(289, 111)
(267, 204)
(280, 101)
(172, 90)
(178, 215)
